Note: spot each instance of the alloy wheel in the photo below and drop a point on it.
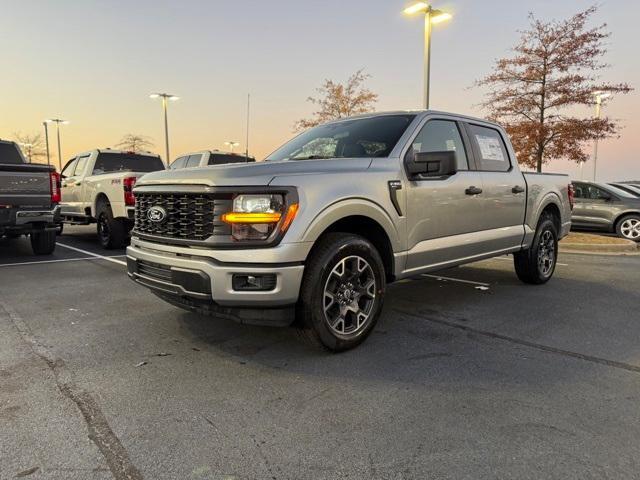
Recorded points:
(630, 229)
(349, 295)
(546, 253)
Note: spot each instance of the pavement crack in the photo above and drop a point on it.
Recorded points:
(517, 341)
(100, 432)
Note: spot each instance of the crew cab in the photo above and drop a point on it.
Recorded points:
(29, 197)
(313, 235)
(97, 188)
(208, 157)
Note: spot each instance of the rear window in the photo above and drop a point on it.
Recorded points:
(10, 154)
(122, 162)
(221, 159)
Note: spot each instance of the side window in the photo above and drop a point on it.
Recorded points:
(595, 193)
(68, 169)
(194, 160)
(178, 163)
(580, 190)
(491, 149)
(80, 165)
(441, 136)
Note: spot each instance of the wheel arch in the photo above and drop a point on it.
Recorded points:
(100, 197)
(360, 218)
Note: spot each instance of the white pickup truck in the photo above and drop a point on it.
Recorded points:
(97, 188)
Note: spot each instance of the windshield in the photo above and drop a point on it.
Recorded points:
(118, 162)
(628, 188)
(223, 158)
(9, 153)
(357, 138)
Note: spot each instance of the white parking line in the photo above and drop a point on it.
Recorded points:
(109, 259)
(449, 279)
(40, 262)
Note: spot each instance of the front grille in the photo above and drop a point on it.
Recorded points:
(189, 216)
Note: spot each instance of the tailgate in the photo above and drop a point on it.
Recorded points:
(25, 185)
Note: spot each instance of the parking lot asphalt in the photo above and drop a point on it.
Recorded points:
(470, 374)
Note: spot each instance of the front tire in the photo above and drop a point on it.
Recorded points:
(629, 228)
(537, 264)
(44, 242)
(112, 232)
(342, 292)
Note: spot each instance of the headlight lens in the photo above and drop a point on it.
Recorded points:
(255, 216)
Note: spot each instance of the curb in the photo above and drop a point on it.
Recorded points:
(627, 248)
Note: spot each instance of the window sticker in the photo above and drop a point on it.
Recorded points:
(451, 146)
(490, 148)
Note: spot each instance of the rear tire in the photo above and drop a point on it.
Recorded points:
(628, 227)
(112, 232)
(44, 242)
(537, 264)
(342, 292)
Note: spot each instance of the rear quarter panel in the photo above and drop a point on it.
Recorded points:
(543, 190)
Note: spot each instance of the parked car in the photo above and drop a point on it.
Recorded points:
(606, 208)
(330, 218)
(208, 157)
(97, 188)
(627, 187)
(29, 197)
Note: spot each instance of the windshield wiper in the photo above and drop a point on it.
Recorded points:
(317, 157)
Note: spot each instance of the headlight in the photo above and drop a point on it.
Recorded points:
(257, 216)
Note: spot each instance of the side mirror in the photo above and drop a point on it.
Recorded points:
(432, 164)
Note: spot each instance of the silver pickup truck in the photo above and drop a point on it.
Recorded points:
(316, 231)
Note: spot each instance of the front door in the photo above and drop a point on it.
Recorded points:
(443, 213)
(592, 207)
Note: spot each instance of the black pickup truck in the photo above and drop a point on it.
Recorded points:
(29, 198)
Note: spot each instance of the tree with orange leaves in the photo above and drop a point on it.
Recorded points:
(534, 93)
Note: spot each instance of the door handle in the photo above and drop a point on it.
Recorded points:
(517, 189)
(473, 191)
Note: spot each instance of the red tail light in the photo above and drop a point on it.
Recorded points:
(572, 195)
(128, 184)
(54, 180)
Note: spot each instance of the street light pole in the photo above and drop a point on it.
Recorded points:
(58, 121)
(427, 56)
(232, 145)
(431, 17)
(46, 140)
(165, 97)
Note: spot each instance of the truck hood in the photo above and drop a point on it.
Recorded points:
(249, 174)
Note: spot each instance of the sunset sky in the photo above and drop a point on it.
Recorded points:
(95, 63)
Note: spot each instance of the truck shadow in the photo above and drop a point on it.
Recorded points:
(441, 331)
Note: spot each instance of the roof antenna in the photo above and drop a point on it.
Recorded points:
(246, 156)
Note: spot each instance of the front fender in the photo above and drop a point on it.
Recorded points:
(352, 207)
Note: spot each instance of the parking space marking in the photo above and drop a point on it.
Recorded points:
(86, 252)
(39, 262)
(460, 280)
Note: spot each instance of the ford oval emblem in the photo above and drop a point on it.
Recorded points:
(157, 214)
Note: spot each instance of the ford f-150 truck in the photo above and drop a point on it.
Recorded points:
(316, 232)
(29, 196)
(97, 188)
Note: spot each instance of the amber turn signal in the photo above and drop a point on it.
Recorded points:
(288, 218)
(233, 217)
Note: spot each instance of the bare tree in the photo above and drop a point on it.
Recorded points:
(32, 145)
(135, 143)
(339, 100)
(555, 68)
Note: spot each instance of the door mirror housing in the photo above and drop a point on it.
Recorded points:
(432, 164)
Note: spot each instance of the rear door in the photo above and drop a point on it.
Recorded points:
(442, 214)
(504, 191)
(69, 201)
(72, 185)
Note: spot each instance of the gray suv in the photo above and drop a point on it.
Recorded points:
(606, 208)
(314, 233)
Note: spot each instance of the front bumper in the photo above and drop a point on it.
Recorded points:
(198, 278)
